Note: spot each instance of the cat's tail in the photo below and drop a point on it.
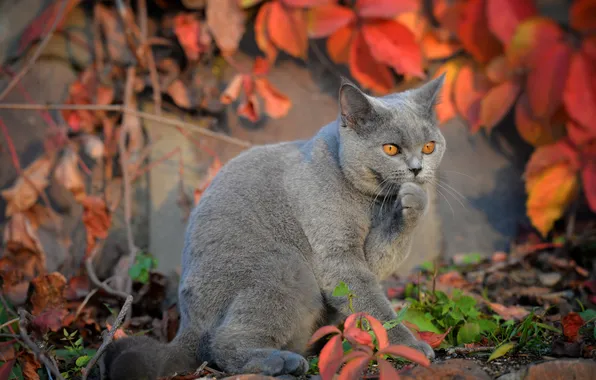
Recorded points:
(144, 358)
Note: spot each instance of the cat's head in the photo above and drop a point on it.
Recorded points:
(386, 141)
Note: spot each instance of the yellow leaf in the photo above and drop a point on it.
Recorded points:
(23, 194)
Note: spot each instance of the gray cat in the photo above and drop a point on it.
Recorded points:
(281, 225)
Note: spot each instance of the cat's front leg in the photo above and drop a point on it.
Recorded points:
(411, 205)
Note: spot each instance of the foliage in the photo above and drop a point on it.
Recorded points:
(74, 353)
(142, 267)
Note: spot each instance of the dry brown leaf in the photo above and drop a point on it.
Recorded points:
(29, 366)
(22, 195)
(509, 312)
(225, 20)
(180, 94)
(97, 220)
(119, 334)
(67, 173)
(20, 234)
(47, 292)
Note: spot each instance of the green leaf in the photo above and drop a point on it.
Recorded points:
(468, 333)
(82, 361)
(428, 266)
(341, 290)
(472, 258)
(588, 315)
(421, 321)
(548, 327)
(397, 320)
(501, 351)
(487, 325)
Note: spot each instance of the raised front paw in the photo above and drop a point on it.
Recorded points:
(413, 202)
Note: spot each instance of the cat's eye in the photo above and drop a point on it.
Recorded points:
(390, 149)
(429, 147)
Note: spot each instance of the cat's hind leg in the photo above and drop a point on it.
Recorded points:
(261, 326)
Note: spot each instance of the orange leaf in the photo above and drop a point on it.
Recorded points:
(119, 334)
(225, 19)
(546, 81)
(306, 3)
(366, 69)
(353, 369)
(330, 357)
(96, 218)
(29, 366)
(505, 15)
(324, 20)
(232, 92)
(385, 8)
(250, 108)
(386, 370)
(497, 103)
(407, 353)
(287, 29)
(24, 192)
(589, 182)
(529, 40)
(434, 48)
(47, 292)
(551, 184)
(446, 108)
(323, 331)
(582, 15)
(534, 131)
(358, 336)
(509, 312)
(474, 34)
(338, 44)
(188, 29)
(469, 88)
(433, 339)
(261, 66)
(276, 104)
(498, 70)
(261, 36)
(394, 44)
(579, 95)
(19, 233)
(571, 323)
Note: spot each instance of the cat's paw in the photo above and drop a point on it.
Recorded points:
(403, 336)
(413, 202)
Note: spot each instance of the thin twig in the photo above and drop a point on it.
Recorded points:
(148, 52)
(5, 305)
(93, 276)
(145, 115)
(140, 171)
(86, 300)
(124, 130)
(24, 318)
(108, 337)
(9, 323)
(37, 53)
(469, 350)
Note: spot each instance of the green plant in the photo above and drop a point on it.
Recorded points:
(74, 354)
(143, 265)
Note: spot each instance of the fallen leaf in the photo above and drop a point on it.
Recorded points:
(276, 104)
(529, 40)
(546, 81)
(582, 16)
(187, 28)
(29, 366)
(474, 34)
(97, 220)
(119, 334)
(261, 67)
(571, 323)
(499, 257)
(287, 29)
(497, 103)
(233, 89)
(365, 68)
(454, 279)
(505, 15)
(68, 175)
(47, 292)
(225, 20)
(500, 351)
(52, 319)
(509, 312)
(433, 339)
(20, 234)
(24, 193)
(250, 108)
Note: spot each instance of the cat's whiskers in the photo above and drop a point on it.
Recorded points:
(460, 173)
(381, 187)
(448, 190)
(446, 200)
(389, 193)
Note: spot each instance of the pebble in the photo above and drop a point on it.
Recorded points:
(549, 279)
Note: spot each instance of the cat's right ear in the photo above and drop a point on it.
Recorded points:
(355, 107)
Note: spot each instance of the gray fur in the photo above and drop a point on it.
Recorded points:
(281, 225)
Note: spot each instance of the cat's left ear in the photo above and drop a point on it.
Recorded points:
(355, 106)
(429, 93)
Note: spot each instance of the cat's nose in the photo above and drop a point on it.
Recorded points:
(416, 170)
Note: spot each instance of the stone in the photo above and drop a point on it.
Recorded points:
(249, 377)
(549, 279)
(459, 369)
(577, 369)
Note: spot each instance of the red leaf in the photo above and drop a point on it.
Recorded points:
(550, 155)
(354, 368)
(330, 357)
(379, 331)
(306, 3)
(571, 323)
(188, 30)
(6, 369)
(250, 108)
(323, 331)
(433, 339)
(338, 44)
(505, 15)
(366, 69)
(287, 29)
(261, 66)
(261, 36)
(394, 44)
(469, 88)
(474, 34)
(546, 81)
(579, 95)
(497, 103)
(529, 40)
(386, 370)
(582, 15)
(358, 336)
(50, 320)
(385, 8)
(324, 20)
(407, 353)
(589, 182)
(276, 104)
(534, 131)
(578, 134)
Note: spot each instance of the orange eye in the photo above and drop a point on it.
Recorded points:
(390, 149)
(429, 147)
